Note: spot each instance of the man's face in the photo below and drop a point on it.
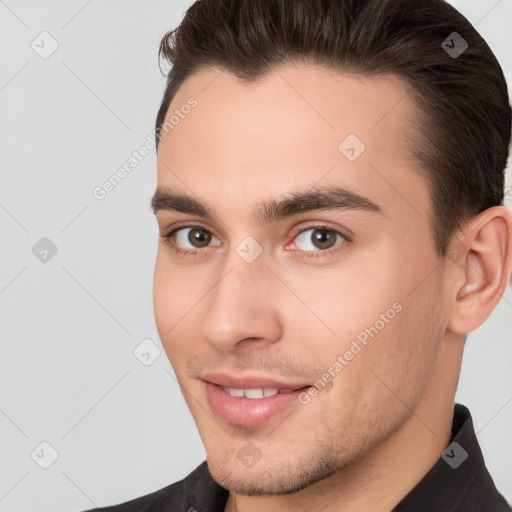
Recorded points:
(280, 298)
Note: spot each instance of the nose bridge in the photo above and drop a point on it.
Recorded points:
(242, 304)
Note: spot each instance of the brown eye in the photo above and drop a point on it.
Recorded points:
(318, 239)
(194, 237)
(199, 237)
(323, 239)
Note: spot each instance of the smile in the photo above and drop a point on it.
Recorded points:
(256, 393)
(250, 402)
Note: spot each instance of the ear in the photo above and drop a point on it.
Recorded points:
(481, 262)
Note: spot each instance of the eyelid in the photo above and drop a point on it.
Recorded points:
(169, 232)
(168, 237)
(321, 225)
(345, 233)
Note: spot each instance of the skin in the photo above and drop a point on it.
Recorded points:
(363, 442)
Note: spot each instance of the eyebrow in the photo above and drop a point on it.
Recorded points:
(271, 210)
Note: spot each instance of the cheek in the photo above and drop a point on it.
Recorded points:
(401, 359)
(163, 300)
(175, 291)
(379, 332)
(173, 302)
(347, 303)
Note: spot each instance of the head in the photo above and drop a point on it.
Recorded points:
(330, 185)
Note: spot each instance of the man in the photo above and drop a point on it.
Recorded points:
(330, 186)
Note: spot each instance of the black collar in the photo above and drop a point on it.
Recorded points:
(459, 481)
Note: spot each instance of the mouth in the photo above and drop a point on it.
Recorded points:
(250, 401)
(257, 393)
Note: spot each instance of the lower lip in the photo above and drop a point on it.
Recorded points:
(248, 412)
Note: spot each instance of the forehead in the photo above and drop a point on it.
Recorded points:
(313, 97)
(297, 126)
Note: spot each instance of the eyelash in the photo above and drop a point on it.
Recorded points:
(169, 237)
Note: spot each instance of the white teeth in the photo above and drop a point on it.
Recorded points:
(253, 393)
(235, 392)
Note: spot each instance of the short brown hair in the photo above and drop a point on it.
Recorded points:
(464, 115)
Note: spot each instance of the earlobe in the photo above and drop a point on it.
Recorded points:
(483, 273)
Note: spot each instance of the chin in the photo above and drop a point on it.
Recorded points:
(272, 479)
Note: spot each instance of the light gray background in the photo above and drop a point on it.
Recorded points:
(69, 326)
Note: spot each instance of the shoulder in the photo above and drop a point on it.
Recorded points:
(180, 495)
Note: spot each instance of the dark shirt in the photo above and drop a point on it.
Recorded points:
(458, 482)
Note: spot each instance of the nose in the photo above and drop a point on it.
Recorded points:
(243, 308)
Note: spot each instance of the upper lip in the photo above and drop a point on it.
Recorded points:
(250, 382)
